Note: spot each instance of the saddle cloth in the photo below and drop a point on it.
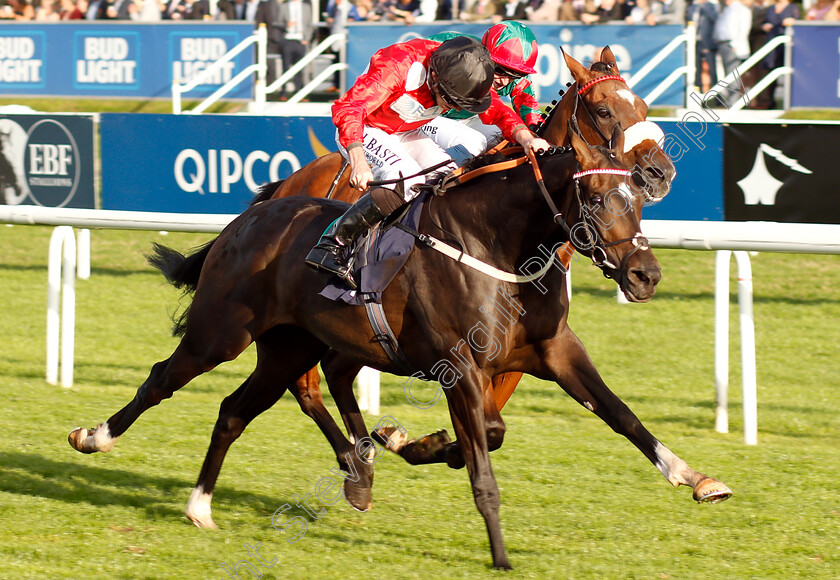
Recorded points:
(378, 258)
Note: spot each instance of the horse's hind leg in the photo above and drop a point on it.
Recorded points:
(438, 447)
(282, 354)
(193, 356)
(579, 378)
(340, 373)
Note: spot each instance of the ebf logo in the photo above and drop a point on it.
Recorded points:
(40, 165)
(51, 164)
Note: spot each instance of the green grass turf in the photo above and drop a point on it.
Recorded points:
(578, 501)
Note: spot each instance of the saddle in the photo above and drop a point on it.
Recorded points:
(379, 256)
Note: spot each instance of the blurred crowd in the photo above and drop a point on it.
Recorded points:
(728, 31)
(336, 13)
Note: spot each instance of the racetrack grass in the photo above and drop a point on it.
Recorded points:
(578, 501)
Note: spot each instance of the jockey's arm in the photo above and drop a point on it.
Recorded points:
(529, 141)
(511, 125)
(360, 172)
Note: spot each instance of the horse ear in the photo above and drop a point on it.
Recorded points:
(583, 152)
(608, 58)
(617, 140)
(578, 70)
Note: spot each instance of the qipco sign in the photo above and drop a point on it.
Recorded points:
(202, 163)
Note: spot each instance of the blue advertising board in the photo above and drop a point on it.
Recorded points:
(215, 163)
(119, 60)
(633, 47)
(47, 160)
(202, 163)
(816, 64)
(695, 145)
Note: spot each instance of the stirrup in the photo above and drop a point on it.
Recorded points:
(326, 257)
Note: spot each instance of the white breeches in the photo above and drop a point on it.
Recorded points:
(470, 134)
(407, 153)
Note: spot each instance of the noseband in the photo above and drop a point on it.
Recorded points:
(598, 253)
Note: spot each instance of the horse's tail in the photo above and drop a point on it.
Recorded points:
(179, 270)
(183, 271)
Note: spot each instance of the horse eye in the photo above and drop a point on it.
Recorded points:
(603, 112)
(596, 200)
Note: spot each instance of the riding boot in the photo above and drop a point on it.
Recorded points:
(333, 253)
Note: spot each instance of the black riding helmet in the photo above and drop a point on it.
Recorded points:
(464, 73)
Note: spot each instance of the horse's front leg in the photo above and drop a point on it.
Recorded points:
(576, 374)
(466, 409)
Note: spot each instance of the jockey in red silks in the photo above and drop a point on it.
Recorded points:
(379, 130)
(514, 50)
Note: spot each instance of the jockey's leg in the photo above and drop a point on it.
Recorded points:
(388, 159)
(461, 139)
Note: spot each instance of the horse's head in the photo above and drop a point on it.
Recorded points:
(599, 101)
(606, 225)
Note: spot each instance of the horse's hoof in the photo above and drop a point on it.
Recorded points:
(92, 440)
(711, 491)
(81, 439)
(359, 497)
(205, 522)
(391, 438)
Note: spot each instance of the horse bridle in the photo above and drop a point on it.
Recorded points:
(579, 97)
(597, 251)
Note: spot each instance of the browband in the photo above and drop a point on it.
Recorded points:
(586, 87)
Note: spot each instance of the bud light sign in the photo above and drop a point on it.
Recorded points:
(120, 60)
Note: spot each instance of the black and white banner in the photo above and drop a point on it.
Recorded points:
(782, 173)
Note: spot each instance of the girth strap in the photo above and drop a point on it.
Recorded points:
(383, 333)
(474, 263)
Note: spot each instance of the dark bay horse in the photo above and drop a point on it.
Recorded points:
(599, 98)
(597, 101)
(255, 287)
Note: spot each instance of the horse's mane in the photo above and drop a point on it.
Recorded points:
(265, 191)
(599, 66)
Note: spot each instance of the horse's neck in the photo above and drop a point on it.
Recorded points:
(505, 221)
(557, 127)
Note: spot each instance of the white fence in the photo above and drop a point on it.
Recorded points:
(724, 237)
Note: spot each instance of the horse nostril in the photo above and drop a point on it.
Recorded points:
(639, 276)
(644, 277)
(655, 173)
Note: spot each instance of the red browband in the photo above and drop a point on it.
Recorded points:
(586, 87)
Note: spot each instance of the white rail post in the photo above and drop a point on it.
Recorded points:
(368, 381)
(61, 279)
(722, 340)
(83, 254)
(747, 329)
(748, 370)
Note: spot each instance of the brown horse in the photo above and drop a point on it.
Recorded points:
(601, 100)
(254, 287)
